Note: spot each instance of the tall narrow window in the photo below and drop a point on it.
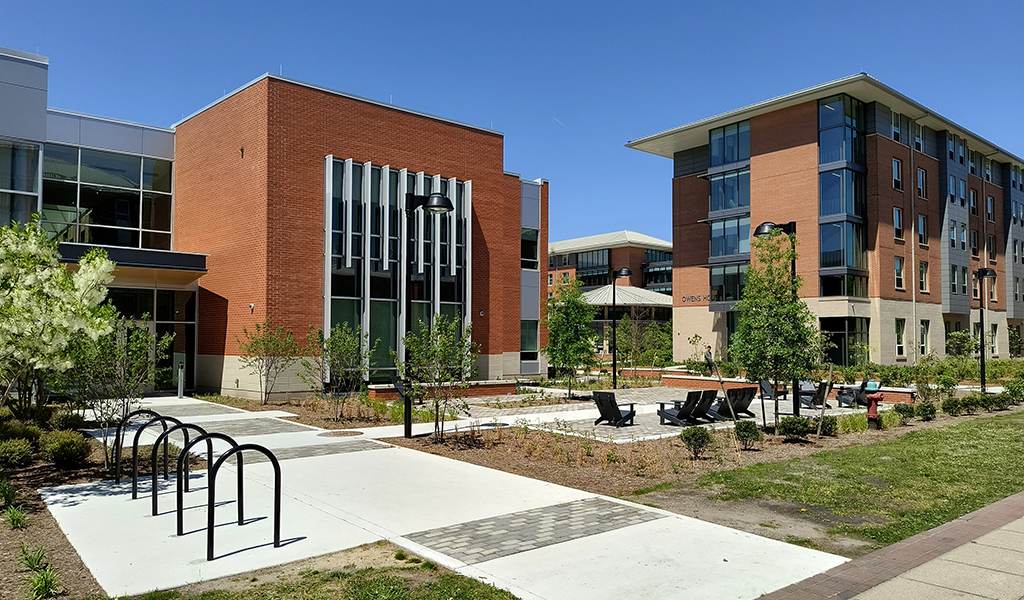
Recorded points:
(992, 290)
(990, 245)
(963, 280)
(922, 183)
(952, 234)
(952, 278)
(952, 188)
(922, 276)
(897, 174)
(1016, 289)
(901, 325)
(960, 150)
(897, 223)
(975, 288)
(963, 236)
(899, 272)
(974, 243)
(949, 146)
(992, 339)
(988, 169)
(895, 122)
(963, 192)
(922, 230)
(1014, 250)
(973, 161)
(924, 337)
(974, 203)
(990, 208)
(918, 137)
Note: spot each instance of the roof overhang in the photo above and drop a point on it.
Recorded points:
(861, 86)
(144, 267)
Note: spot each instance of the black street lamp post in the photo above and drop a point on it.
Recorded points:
(789, 229)
(623, 272)
(437, 204)
(982, 275)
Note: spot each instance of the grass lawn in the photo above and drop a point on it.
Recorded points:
(419, 582)
(893, 490)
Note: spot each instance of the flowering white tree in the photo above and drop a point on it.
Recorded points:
(43, 307)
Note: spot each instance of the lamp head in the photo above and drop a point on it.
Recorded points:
(438, 204)
(765, 228)
(986, 273)
(624, 272)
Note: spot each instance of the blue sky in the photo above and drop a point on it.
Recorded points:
(567, 83)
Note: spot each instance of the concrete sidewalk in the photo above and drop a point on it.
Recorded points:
(536, 539)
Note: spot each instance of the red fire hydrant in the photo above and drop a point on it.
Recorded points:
(873, 400)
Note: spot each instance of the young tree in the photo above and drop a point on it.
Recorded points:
(776, 337)
(441, 361)
(335, 367)
(267, 352)
(630, 337)
(570, 338)
(43, 306)
(657, 343)
(112, 373)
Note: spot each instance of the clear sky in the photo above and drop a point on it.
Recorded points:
(568, 83)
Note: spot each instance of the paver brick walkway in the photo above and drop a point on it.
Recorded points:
(318, 450)
(197, 409)
(252, 427)
(488, 539)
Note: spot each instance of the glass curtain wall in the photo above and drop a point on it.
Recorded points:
(105, 198)
(19, 181)
(167, 312)
(367, 252)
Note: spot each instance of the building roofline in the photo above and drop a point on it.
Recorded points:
(336, 93)
(107, 119)
(660, 143)
(24, 55)
(614, 239)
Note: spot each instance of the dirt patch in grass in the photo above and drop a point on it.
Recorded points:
(661, 473)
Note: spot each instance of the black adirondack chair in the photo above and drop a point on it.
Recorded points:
(741, 399)
(610, 410)
(701, 410)
(680, 409)
(851, 397)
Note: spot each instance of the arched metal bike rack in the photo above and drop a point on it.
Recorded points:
(211, 497)
(135, 450)
(183, 470)
(118, 442)
(184, 427)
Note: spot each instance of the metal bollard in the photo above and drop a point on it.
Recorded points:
(181, 380)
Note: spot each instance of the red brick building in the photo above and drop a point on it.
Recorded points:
(895, 209)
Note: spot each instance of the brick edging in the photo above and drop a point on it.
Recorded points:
(863, 573)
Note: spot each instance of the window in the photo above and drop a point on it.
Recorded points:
(528, 340)
(974, 202)
(1016, 289)
(975, 287)
(565, 277)
(840, 192)
(990, 245)
(1013, 211)
(922, 277)
(963, 236)
(922, 230)
(990, 208)
(899, 272)
(730, 190)
(952, 188)
(901, 325)
(730, 144)
(949, 146)
(924, 337)
(897, 174)
(952, 234)
(842, 245)
(897, 223)
(551, 279)
(963, 280)
(973, 161)
(1014, 250)
(840, 137)
(528, 249)
(844, 285)
(974, 243)
(992, 339)
(988, 170)
(918, 137)
(992, 290)
(963, 192)
(895, 123)
(922, 183)
(727, 282)
(730, 237)
(960, 149)
(952, 278)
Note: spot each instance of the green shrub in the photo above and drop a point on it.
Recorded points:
(890, 418)
(7, 493)
(952, 406)
(946, 382)
(999, 402)
(32, 560)
(973, 402)
(66, 449)
(15, 517)
(5, 414)
(15, 453)
(748, 434)
(829, 425)
(729, 369)
(905, 411)
(794, 428)
(44, 583)
(925, 411)
(66, 421)
(852, 423)
(19, 430)
(697, 440)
